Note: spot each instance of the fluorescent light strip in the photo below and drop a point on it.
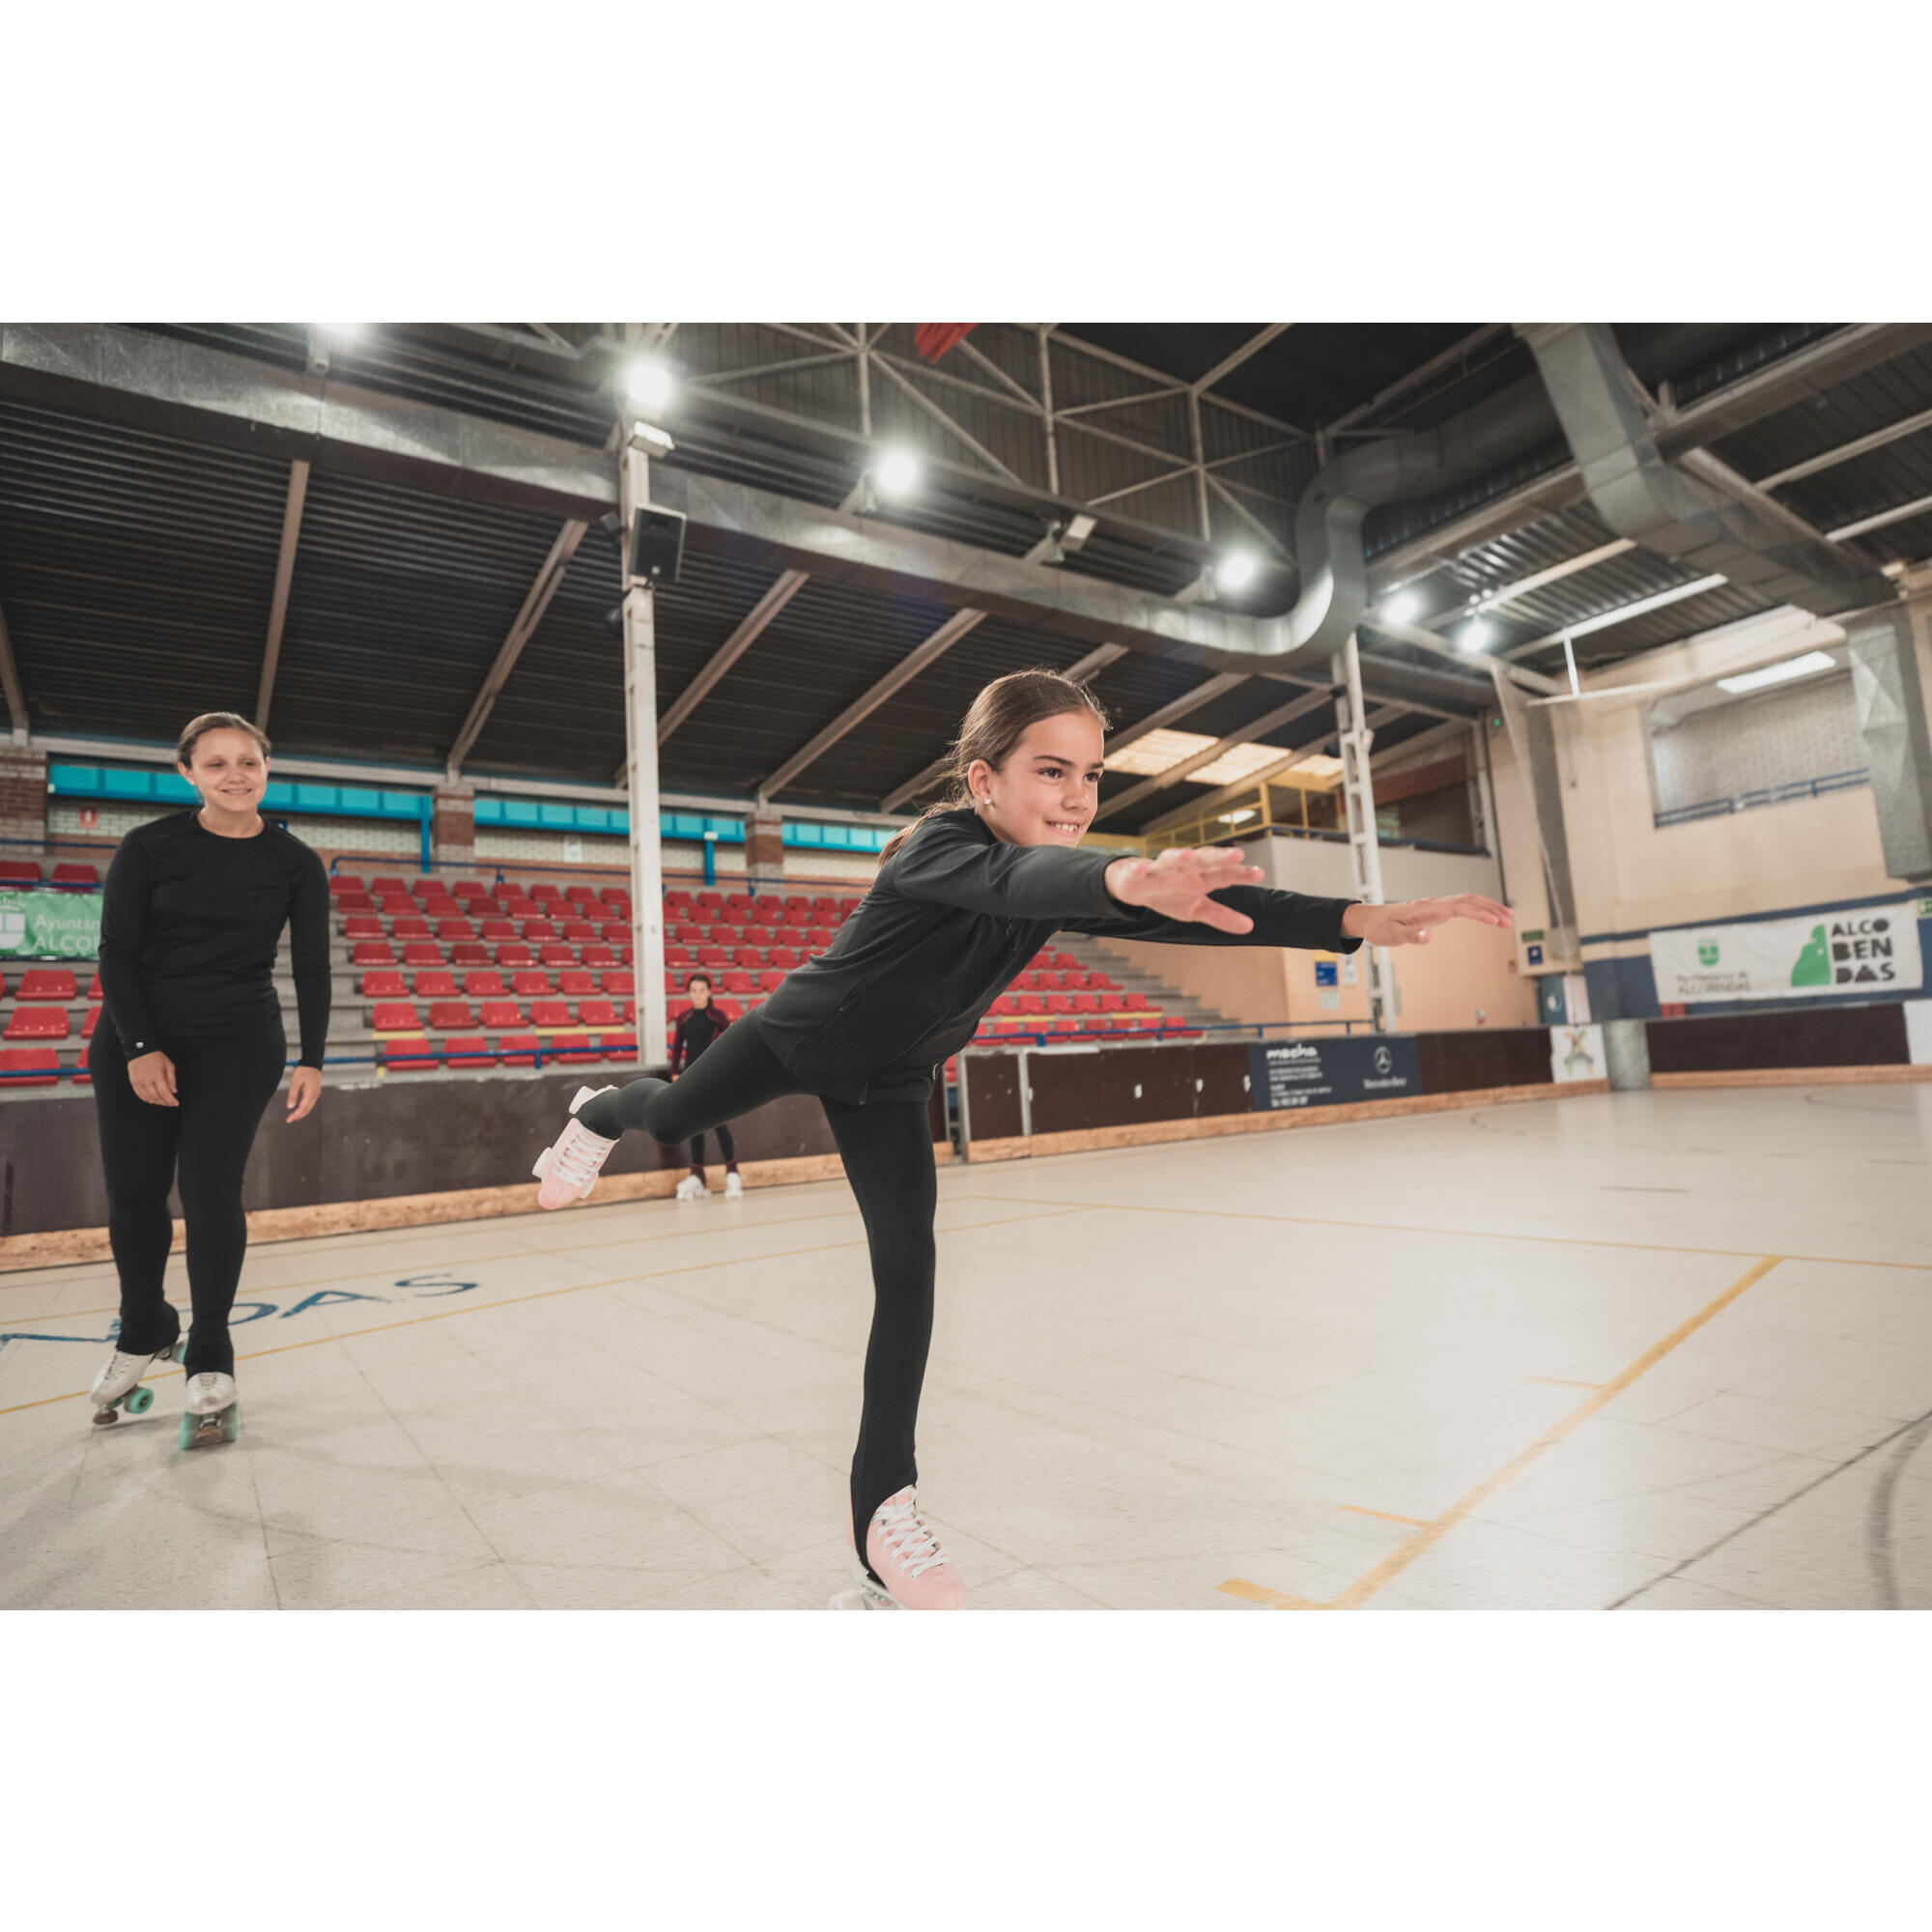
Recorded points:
(1622, 614)
(1780, 673)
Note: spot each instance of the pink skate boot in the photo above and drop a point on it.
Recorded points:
(569, 1166)
(916, 1573)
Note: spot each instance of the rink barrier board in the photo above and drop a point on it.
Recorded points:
(1809, 1037)
(399, 1139)
(1796, 1076)
(1148, 1133)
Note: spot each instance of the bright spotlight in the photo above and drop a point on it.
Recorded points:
(1475, 635)
(895, 474)
(1402, 607)
(1236, 570)
(647, 383)
(341, 333)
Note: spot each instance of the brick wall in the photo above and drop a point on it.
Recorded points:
(23, 794)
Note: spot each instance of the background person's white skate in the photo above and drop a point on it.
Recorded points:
(692, 1187)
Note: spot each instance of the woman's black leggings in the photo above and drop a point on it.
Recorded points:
(724, 1143)
(223, 1088)
(887, 1148)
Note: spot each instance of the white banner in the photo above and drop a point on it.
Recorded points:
(1870, 949)
(1577, 1053)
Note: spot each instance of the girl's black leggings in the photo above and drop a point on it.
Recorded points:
(887, 1148)
(223, 1088)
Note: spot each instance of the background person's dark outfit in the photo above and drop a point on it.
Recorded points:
(188, 927)
(952, 919)
(697, 1027)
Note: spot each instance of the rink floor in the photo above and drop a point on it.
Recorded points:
(1647, 1351)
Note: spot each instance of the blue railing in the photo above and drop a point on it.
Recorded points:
(1750, 800)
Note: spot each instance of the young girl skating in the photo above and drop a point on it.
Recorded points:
(962, 901)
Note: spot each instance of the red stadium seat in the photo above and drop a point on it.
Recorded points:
(355, 902)
(28, 1066)
(544, 890)
(385, 985)
(440, 985)
(519, 1049)
(37, 1022)
(46, 983)
(781, 957)
(759, 936)
(453, 928)
(497, 928)
(500, 1015)
(710, 898)
(469, 952)
(515, 953)
(619, 1045)
(94, 991)
(573, 980)
(574, 1048)
(516, 906)
(580, 892)
(345, 882)
(600, 955)
(75, 875)
(613, 932)
(596, 1014)
(1113, 1003)
(793, 934)
(363, 925)
(470, 889)
(387, 885)
(738, 982)
(395, 1016)
(1086, 1002)
(617, 979)
(450, 1017)
(751, 957)
(712, 956)
(557, 953)
(410, 928)
(529, 984)
(578, 930)
(93, 1021)
(371, 953)
(613, 892)
(481, 985)
(549, 1014)
(679, 957)
(537, 929)
(421, 952)
(409, 1055)
(820, 937)
(768, 979)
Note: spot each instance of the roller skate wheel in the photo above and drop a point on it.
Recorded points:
(139, 1401)
(104, 1418)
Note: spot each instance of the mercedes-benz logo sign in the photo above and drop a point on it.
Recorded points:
(1384, 1060)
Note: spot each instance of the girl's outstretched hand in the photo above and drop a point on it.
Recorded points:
(1177, 884)
(1410, 922)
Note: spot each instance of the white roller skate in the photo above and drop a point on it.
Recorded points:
(118, 1385)
(212, 1415)
(734, 1188)
(569, 1166)
(692, 1187)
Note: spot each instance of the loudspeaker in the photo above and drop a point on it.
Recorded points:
(657, 545)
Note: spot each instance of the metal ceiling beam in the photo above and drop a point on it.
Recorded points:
(1845, 452)
(945, 421)
(1428, 641)
(209, 395)
(752, 626)
(1180, 814)
(1166, 378)
(1089, 667)
(535, 603)
(1175, 709)
(1175, 774)
(1792, 380)
(278, 605)
(1896, 515)
(1227, 364)
(10, 677)
(1494, 600)
(1416, 378)
(1622, 614)
(860, 709)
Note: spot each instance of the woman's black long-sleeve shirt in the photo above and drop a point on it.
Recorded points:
(188, 927)
(952, 919)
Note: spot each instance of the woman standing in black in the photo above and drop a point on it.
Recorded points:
(697, 1026)
(193, 1049)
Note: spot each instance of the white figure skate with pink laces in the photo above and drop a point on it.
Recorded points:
(570, 1165)
(906, 1556)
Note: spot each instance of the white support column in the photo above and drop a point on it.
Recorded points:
(640, 719)
(1365, 855)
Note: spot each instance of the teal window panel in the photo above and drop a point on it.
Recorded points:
(404, 805)
(521, 811)
(74, 780)
(317, 798)
(557, 816)
(173, 788)
(127, 785)
(489, 811)
(359, 800)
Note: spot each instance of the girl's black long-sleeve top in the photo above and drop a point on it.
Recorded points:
(695, 1029)
(952, 919)
(190, 922)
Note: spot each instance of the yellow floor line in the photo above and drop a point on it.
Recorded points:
(1459, 1234)
(1399, 1560)
(1386, 1516)
(512, 1300)
(1273, 1599)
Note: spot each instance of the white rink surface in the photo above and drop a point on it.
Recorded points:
(1495, 1360)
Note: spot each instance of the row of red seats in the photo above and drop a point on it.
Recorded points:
(46, 1023)
(818, 936)
(453, 1015)
(529, 984)
(367, 926)
(456, 1054)
(473, 952)
(393, 905)
(62, 877)
(50, 983)
(475, 888)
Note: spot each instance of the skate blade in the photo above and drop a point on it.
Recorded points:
(860, 1600)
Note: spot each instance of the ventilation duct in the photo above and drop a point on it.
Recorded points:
(1891, 679)
(1692, 522)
